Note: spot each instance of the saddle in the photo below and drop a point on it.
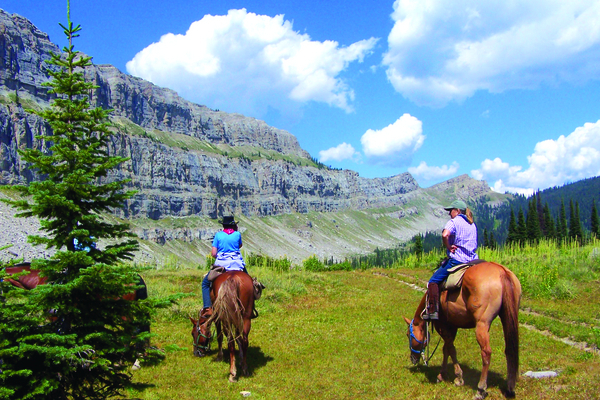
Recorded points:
(454, 280)
(258, 286)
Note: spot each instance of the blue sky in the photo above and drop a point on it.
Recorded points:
(503, 91)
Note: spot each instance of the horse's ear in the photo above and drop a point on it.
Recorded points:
(407, 321)
(193, 321)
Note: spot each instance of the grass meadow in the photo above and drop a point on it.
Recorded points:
(341, 335)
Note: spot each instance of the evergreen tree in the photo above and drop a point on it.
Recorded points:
(540, 214)
(486, 242)
(595, 225)
(418, 245)
(493, 242)
(87, 350)
(533, 223)
(575, 231)
(562, 222)
(521, 227)
(549, 223)
(512, 228)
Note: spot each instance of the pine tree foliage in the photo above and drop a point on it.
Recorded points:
(595, 224)
(575, 231)
(534, 233)
(521, 227)
(85, 349)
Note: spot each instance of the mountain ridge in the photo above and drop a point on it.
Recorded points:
(188, 161)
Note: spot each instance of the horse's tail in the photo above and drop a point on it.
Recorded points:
(509, 315)
(228, 308)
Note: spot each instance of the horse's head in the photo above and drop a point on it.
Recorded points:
(417, 340)
(202, 337)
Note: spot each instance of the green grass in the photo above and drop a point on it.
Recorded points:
(340, 335)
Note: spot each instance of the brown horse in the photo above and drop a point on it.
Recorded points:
(25, 281)
(233, 300)
(33, 279)
(488, 290)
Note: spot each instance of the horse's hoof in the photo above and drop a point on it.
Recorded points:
(232, 379)
(459, 382)
(481, 394)
(440, 378)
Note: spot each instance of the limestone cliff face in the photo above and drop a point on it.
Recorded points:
(174, 180)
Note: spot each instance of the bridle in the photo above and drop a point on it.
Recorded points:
(424, 342)
(206, 347)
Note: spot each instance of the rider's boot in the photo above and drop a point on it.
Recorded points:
(433, 301)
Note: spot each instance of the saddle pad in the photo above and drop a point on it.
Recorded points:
(457, 272)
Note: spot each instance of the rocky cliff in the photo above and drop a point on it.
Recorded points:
(223, 163)
(186, 160)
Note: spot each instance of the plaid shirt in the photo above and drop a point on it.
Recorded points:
(464, 236)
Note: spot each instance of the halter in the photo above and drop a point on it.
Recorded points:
(205, 348)
(424, 343)
(412, 336)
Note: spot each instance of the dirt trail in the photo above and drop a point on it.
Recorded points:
(579, 345)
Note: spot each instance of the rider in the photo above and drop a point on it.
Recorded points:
(460, 239)
(226, 249)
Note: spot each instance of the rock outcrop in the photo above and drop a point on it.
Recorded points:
(224, 163)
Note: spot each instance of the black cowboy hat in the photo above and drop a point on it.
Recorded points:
(228, 220)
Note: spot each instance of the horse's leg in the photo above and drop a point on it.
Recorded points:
(449, 335)
(446, 349)
(232, 368)
(219, 340)
(244, 346)
(483, 338)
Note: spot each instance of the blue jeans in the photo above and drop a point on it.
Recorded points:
(206, 284)
(442, 273)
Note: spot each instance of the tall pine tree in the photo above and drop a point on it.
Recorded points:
(549, 223)
(86, 350)
(562, 222)
(575, 231)
(521, 228)
(512, 236)
(595, 225)
(533, 223)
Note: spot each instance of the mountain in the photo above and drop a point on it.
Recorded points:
(191, 164)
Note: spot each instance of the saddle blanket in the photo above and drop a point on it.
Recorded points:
(457, 272)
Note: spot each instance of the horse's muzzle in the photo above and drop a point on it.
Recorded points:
(415, 358)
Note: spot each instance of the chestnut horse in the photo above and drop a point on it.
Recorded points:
(233, 300)
(25, 281)
(488, 290)
(33, 279)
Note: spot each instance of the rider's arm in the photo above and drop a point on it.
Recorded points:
(213, 252)
(446, 241)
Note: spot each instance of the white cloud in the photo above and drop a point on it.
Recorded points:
(246, 63)
(431, 172)
(439, 51)
(553, 162)
(396, 143)
(341, 152)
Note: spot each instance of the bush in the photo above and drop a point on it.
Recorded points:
(313, 264)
